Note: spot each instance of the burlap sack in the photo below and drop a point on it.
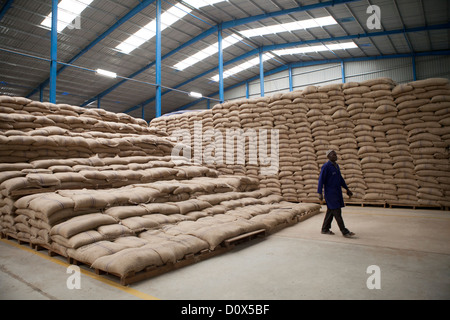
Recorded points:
(89, 253)
(128, 261)
(81, 223)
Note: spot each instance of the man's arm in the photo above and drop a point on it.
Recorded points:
(320, 184)
(349, 193)
(344, 185)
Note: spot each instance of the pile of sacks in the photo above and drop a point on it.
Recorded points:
(33, 130)
(27, 115)
(424, 107)
(373, 113)
(93, 173)
(125, 230)
(325, 112)
(392, 139)
(111, 194)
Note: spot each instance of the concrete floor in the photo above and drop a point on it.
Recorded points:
(410, 247)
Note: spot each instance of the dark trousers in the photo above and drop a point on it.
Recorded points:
(336, 214)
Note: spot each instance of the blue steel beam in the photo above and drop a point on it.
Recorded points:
(286, 45)
(41, 94)
(220, 53)
(119, 22)
(325, 4)
(261, 72)
(158, 59)
(54, 51)
(134, 74)
(245, 55)
(358, 36)
(225, 25)
(291, 85)
(181, 84)
(319, 62)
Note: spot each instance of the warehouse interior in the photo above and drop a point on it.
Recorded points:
(171, 150)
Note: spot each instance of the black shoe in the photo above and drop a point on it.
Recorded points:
(327, 232)
(349, 234)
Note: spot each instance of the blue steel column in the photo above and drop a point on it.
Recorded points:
(158, 58)
(54, 51)
(221, 90)
(261, 72)
(414, 67)
(291, 86)
(343, 71)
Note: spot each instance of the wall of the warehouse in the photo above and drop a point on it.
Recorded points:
(433, 67)
(399, 69)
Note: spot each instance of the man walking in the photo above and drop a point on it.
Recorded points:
(332, 181)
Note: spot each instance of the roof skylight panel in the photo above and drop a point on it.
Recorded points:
(68, 10)
(288, 27)
(243, 66)
(148, 31)
(202, 3)
(207, 52)
(318, 48)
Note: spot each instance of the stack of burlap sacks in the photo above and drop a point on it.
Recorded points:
(104, 189)
(392, 139)
(374, 116)
(424, 106)
(33, 130)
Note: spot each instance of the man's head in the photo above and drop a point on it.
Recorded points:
(331, 155)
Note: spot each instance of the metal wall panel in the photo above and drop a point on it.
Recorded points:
(433, 67)
(235, 93)
(278, 82)
(203, 105)
(254, 89)
(399, 70)
(316, 75)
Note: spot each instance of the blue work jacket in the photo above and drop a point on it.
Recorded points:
(331, 180)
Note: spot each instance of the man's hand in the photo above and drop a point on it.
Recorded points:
(320, 197)
(349, 193)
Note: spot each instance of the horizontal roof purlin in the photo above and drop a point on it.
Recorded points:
(312, 63)
(224, 25)
(122, 20)
(407, 27)
(287, 45)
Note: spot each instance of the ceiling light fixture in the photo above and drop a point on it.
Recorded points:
(106, 73)
(195, 94)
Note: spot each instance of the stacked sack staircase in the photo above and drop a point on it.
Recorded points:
(102, 189)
